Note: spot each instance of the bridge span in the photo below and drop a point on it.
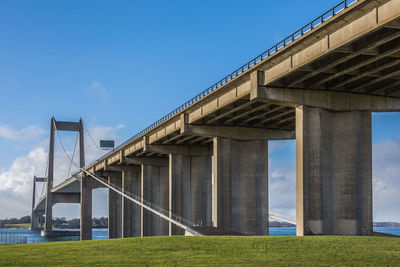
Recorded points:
(318, 86)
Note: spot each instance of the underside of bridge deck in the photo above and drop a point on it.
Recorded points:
(368, 65)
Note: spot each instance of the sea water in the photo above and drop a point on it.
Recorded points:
(35, 237)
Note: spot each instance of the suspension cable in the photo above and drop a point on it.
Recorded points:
(73, 155)
(61, 143)
(177, 220)
(92, 139)
(45, 175)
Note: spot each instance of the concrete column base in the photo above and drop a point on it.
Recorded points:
(131, 211)
(334, 172)
(35, 221)
(86, 209)
(156, 191)
(115, 208)
(241, 186)
(191, 189)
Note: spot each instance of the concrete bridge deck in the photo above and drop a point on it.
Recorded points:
(350, 62)
(318, 86)
(66, 192)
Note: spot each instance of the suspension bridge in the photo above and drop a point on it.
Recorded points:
(206, 162)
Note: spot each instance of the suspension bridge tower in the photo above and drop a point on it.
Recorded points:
(52, 197)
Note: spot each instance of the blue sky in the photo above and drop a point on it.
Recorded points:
(121, 65)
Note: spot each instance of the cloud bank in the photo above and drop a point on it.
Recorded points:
(386, 183)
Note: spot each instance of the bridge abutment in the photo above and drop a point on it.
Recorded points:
(334, 172)
(241, 185)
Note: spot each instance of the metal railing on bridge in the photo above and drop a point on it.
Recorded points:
(253, 62)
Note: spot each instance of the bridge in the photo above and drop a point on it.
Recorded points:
(318, 86)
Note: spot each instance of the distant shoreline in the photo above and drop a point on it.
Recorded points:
(375, 224)
(271, 224)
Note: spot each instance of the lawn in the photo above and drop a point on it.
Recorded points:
(207, 251)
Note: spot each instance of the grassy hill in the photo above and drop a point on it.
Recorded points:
(208, 251)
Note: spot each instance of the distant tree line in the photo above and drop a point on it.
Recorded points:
(280, 224)
(24, 219)
(75, 223)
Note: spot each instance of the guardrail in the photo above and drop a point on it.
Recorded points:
(253, 62)
(11, 238)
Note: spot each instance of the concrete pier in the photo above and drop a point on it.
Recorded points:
(86, 208)
(131, 215)
(115, 208)
(191, 189)
(36, 221)
(241, 186)
(155, 190)
(334, 176)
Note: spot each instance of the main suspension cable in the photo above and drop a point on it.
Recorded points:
(61, 143)
(73, 156)
(45, 175)
(92, 139)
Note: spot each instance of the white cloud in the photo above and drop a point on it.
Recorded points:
(386, 183)
(282, 189)
(97, 88)
(100, 133)
(386, 186)
(16, 181)
(26, 134)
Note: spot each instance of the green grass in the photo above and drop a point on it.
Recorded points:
(19, 226)
(207, 251)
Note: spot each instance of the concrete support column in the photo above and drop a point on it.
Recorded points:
(131, 219)
(35, 223)
(155, 189)
(334, 172)
(86, 209)
(114, 208)
(241, 185)
(191, 189)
